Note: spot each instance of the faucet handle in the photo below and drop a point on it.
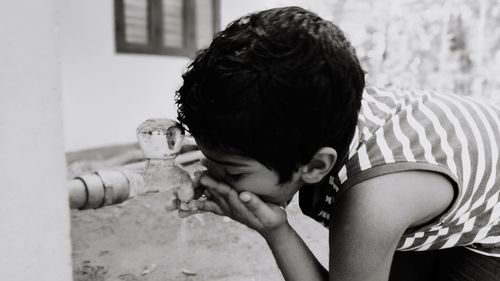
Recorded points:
(160, 138)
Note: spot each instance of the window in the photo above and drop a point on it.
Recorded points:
(165, 27)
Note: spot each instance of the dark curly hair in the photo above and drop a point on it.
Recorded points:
(274, 86)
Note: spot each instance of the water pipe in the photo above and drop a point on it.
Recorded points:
(160, 141)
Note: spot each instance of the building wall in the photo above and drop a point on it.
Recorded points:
(34, 215)
(105, 94)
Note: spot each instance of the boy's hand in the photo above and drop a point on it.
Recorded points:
(181, 196)
(245, 207)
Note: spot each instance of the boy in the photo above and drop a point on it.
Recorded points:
(278, 104)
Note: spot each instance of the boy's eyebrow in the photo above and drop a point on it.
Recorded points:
(227, 163)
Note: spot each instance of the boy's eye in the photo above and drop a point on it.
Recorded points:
(234, 177)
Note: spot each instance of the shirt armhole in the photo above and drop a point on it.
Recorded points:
(389, 168)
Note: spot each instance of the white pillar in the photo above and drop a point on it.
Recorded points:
(34, 213)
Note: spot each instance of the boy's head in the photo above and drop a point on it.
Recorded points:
(274, 86)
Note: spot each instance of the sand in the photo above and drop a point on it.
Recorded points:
(139, 240)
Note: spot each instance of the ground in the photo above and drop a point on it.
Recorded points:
(139, 240)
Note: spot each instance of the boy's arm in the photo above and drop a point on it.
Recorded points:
(366, 224)
(293, 257)
(369, 221)
(366, 227)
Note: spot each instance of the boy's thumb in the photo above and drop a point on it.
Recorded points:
(245, 197)
(252, 203)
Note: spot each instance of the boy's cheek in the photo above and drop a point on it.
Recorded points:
(218, 174)
(215, 173)
(211, 170)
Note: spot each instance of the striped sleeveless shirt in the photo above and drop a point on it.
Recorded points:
(420, 130)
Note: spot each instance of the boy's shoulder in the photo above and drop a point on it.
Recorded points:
(414, 196)
(371, 217)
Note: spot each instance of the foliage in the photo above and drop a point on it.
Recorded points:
(447, 45)
(440, 44)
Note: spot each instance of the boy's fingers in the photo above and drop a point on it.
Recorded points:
(206, 206)
(201, 207)
(251, 203)
(219, 200)
(230, 202)
(220, 191)
(219, 187)
(239, 209)
(198, 188)
(186, 213)
(257, 207)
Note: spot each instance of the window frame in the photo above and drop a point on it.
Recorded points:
(155, 29)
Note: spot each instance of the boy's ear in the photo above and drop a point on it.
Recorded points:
(320, 165)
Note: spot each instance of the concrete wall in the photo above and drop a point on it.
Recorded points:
(105, 94)
(34, 216)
